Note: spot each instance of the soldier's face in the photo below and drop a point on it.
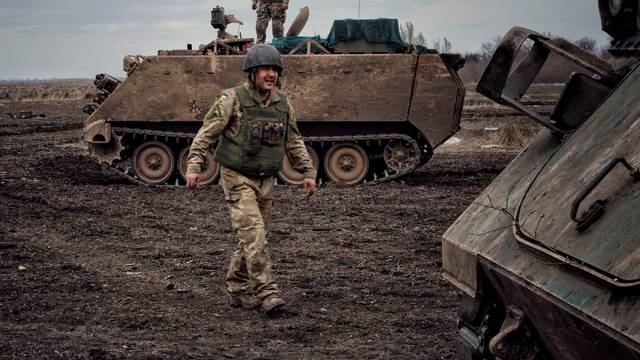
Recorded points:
(266, 78)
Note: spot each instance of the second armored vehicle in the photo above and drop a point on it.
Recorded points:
(365, 116)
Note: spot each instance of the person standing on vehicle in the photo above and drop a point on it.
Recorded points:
(255, 127)
(274, 10)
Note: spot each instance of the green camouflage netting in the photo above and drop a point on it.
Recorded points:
(355, 34)
(382, 31)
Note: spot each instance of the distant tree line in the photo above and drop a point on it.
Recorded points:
(488, 48)
(555, 71)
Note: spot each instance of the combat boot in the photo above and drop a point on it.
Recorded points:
(242, 300)
(272, 302)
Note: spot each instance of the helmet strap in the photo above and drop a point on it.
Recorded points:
(252, 78)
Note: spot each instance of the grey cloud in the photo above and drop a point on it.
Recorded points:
(82, 37)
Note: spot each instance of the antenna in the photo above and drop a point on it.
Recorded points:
(359, 9)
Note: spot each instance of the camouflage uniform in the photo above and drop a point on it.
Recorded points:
(250, 200)
(270, 10)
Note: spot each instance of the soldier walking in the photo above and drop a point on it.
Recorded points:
(255, 126)
(274, 10)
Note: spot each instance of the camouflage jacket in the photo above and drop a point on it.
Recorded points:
(225, 118)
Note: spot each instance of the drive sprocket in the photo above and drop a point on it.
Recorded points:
(402, 155)
(109, 152)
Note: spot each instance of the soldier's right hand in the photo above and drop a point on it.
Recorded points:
(192, 181)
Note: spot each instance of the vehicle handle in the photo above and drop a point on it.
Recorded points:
(596, 210)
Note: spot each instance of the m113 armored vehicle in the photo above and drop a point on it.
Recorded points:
(548, 256)
(370, 106)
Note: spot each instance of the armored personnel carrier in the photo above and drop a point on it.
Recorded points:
(368, 112)
(548, 256)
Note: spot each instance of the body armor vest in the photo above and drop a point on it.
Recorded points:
(258, 148)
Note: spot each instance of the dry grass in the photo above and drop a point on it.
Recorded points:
(48, 90)
(511, 134)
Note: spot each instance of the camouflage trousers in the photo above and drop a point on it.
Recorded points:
(268, 12)
(250, 203)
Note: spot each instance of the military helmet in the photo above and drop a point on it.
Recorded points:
(262, 55)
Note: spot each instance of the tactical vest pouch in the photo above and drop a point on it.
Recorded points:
(255, 134)
(272, 134)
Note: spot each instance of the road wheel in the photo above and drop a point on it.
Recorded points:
(292, 176)
(210, 168)
(346, 164)
(153, 163)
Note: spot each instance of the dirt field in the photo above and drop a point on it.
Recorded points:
(92, 266)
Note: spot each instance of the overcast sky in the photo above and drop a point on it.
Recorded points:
(79, 38)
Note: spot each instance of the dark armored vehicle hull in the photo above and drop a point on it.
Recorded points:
(548, 256)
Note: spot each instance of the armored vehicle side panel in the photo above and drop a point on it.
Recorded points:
(332, 88)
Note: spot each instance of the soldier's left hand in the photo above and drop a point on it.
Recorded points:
(285, 6)
(310, 186)
(192, 181)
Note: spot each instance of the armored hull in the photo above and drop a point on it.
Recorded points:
(548, 255)
(365, 117)
(576, 291)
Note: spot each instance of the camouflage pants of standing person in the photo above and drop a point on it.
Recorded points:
(250, 203)
(267, 12)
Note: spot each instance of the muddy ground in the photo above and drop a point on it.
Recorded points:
(92, 266)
